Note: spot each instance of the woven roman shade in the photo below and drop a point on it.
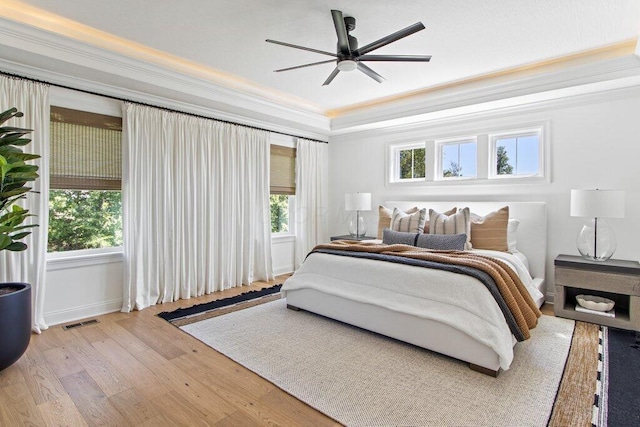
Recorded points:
(283, 170)
(85, 151)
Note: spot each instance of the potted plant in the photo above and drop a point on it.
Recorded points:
(15, 298)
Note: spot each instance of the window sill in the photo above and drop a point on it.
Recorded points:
(283, 238)
(83, 258)
(473, 181)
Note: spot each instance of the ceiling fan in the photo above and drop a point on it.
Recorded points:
(349, 57)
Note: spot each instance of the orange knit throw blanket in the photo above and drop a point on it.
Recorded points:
(515, 294)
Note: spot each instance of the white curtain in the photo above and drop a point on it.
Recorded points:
(29, 266)
(311, 197)
(196, 214)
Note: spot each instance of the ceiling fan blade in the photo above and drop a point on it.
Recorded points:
(406, 58)
(369, 72)
(341, 31)
(391, 38)
(305, 65)
(332, 76)
(301, 47)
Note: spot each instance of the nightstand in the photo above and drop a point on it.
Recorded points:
(349, 237)
(617, 280)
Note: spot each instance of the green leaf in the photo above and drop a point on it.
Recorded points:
(4, 241)
(7, 194)
(21, 176)
(19, 236)
(21, 157)
(11, 129)
(5, 149)
(22, 227)
(16, 247)
(14, 140)
(10, 113)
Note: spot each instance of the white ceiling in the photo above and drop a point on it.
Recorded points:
(466, 38)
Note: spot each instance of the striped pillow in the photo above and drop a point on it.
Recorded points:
(490, 231)
(384, 218)
(410, 223)
(458, 223)
(447, 213)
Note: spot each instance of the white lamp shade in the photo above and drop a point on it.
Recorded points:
(598, 203)
(357, 201)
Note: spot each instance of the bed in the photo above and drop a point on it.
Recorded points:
(466, 325)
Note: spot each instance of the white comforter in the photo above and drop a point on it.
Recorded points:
(457, 300)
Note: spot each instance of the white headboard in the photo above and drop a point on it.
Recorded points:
(532, 231)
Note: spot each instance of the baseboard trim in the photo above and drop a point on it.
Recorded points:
(82, 312)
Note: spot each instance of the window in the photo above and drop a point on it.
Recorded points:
(458, 159)
(492, 156)
(282, 188)
(516, 154)
(409, 163)
(85, 207)
(279, 213)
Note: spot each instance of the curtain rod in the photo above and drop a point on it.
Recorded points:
(156, 106)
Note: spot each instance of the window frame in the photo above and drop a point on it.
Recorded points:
(395, 150)
(93, 256)
(439, 144)
(493, 138)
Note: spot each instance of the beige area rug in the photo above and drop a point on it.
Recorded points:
(363, 379)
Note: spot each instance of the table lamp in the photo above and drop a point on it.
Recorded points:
(357, 202)
(596, 240)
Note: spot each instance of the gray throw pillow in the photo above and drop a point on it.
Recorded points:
(390, 237)
(442, 242)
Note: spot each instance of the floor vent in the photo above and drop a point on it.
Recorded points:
(79, 324)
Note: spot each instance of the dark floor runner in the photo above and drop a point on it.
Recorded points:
(624, 378)
(200, 308)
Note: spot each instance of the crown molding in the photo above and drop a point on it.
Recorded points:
(409, 130)
(453, 99)
(40, 54)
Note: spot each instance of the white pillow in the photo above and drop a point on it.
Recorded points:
(512, 234)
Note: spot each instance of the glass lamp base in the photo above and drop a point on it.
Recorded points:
(596, 241)
(357, 226)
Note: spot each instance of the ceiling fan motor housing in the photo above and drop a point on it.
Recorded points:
(350, 23)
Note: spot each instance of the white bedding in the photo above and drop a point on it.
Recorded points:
(457, 300)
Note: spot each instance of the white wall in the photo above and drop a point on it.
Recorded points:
(78, 292)
(594, 143)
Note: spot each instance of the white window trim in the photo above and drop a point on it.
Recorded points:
(394, 166)
(540, 129)
(84, 258)
(454, 141)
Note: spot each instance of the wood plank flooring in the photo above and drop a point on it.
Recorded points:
(137, 369)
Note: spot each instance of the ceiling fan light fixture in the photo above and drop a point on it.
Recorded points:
(347, 65)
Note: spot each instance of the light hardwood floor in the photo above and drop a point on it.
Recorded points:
(137, 369)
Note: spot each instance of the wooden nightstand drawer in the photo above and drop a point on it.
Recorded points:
(610, 282)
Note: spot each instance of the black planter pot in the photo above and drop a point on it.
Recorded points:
(15, 323)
